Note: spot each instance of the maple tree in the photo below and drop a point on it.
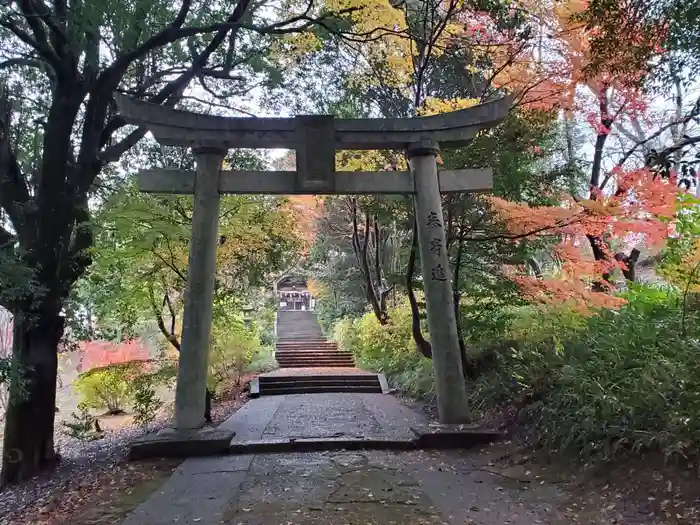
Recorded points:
(625, 201)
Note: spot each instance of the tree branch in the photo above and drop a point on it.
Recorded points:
(168, 96)
(41, 38)
(14, 192)
(44, 50)
(157, 312)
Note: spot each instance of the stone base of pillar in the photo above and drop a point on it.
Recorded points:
(174, 443)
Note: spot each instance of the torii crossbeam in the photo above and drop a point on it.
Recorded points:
(315, 138)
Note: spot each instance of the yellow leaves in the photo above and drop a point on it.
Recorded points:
(304, 211)
(316, 288)
(386, 54)
(434, 106)
(365, 160)
(288, 49)
(684, 270)
(368, 15)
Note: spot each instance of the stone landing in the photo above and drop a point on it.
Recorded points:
(338, 483)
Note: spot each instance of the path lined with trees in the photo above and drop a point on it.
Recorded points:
(574, 282)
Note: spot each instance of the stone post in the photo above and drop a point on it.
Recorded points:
(199, 294)
(447, 364)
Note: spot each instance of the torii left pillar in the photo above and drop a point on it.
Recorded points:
(199, 294)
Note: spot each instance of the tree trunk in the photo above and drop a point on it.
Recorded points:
(422, 344)
(207, 405)
(630, 264)
(468, 370)
(597, 246)
(360, 250)
(28, 444)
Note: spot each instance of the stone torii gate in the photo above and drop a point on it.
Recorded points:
(315, 138)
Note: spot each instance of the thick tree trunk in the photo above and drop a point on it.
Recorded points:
(28, 443)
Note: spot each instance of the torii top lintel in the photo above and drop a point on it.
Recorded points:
(182, 128)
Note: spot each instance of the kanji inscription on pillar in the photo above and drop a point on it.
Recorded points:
(438, 273)
(433, 220)
(436, 246)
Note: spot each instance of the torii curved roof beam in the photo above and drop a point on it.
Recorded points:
(183, 128)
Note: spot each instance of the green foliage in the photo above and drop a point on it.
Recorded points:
(83, 425)
(232, 350)
(345, 334)
(614, 383)
(141, 254)
(617, 382)
(146, 404)
(388, 349)
(109, 387)
(116, 386)
(680, 261)
(265, 319)
(263, 360)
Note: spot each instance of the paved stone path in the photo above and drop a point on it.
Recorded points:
(340, 488)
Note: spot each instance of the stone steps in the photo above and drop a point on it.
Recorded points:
(310, 358)
(298, 326)
(315, 384)
(296, 343)
(313, 353)
(301, 344)
(316, 363)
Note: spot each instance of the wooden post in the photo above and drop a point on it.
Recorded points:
(447, 364)
(199, 294)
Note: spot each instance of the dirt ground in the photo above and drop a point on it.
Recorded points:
(95, 484)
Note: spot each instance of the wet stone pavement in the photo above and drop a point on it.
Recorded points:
(342, 487)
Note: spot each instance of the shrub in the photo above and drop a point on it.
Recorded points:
(616, 382)
(345, 334)
(232, 351)
(84, 426)
(263, 360)
(146, 405)
(389, 349)
(110, 386)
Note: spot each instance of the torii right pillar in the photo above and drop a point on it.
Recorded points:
(450, 386)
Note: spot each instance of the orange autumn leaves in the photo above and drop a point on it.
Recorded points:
(637, 213)
(304, 212)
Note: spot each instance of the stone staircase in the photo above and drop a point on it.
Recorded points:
(298, 325)
(305, 354)
(300, 343)
(311, 364)
(272, 384)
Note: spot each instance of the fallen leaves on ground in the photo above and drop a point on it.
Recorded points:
(94, 482)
